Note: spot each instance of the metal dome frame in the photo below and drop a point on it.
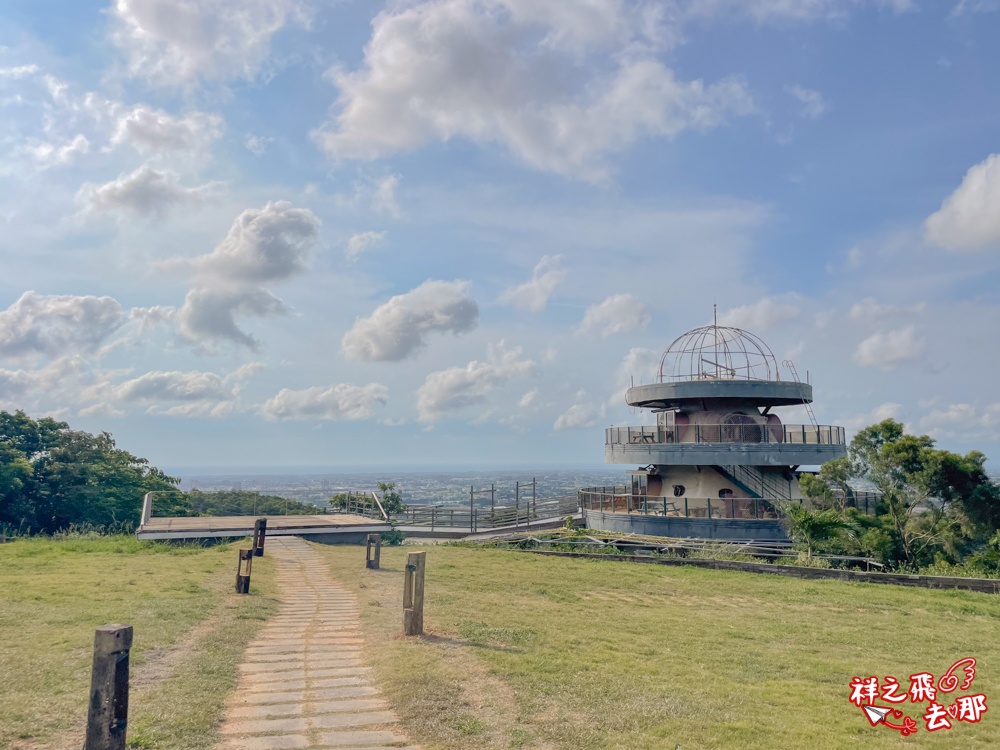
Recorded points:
(717, 352)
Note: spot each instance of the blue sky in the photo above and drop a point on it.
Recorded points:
(283, 233)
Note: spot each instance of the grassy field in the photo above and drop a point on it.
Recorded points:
(190, 633)
(525, 651)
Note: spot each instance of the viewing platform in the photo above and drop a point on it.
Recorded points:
(708, 444)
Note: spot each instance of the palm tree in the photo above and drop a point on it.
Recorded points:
(811, 527)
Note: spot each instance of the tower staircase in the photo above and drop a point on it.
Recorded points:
(756, 483)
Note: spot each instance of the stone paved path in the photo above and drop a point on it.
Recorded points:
(303, 682)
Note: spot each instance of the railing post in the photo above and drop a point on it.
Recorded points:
(107, 717)
(709, 507)
(243, 579)
(664, 507)
(413, 594)
(374, 543)
(686, 515)
(732, 507)
(259, 534)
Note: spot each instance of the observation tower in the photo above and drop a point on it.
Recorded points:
(719, 460)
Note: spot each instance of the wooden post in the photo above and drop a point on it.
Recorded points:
(259, 534)
(413, 594)
(372, 561)
(107, 717)
(243, 579)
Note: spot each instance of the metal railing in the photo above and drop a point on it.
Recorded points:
(362, 504)
(621, 500)
(521, 513)
(748, 434)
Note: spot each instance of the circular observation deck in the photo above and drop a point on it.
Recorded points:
(718, 363)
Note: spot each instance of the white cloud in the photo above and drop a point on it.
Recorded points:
(778, 11)
(154, 130)
(264, 245)
(969, 219)
(55, 324)
(971, 7)
(887, 349)
(256, 144)
(358, 243)
(530, 398)
(621, 313)
(560, 85)
(578, 416)
(399, 327)
(871, 310)
(208, 315)
(384, 197)
(765, 313)
(19, 71)
(177, 42)
(459, 387)
(49, 154)
(964, 420)
(813, 104)
(638, 367)
(343, 401)
(534, 294)
(144, 192)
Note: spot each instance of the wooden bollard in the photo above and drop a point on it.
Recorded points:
(259, 533)
(243, 579)
(374, 543)
(413, 594)
(107, 717)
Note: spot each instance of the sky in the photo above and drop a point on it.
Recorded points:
(290, 233)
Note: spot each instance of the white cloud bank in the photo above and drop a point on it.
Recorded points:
(560, 85)
(578, 417)
(888, 349)
(144, 192)
(767, 312)
(534, 294)
(969, 219)
(399, 327)
(178, 42)
(358, 244)
(456, 388)
(343, 401)
(621, 313)
(53, 325)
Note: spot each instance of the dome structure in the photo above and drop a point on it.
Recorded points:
(718, 353)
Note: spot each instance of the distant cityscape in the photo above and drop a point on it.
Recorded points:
(417, 488)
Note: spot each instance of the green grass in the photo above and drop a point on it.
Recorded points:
(524, 651)
(190, 630)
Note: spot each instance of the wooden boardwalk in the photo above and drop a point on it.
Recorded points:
(304, 683)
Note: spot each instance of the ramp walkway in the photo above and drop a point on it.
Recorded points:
(303, 681)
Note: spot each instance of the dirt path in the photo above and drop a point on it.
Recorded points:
(304, 683)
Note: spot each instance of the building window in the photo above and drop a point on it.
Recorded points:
(725, 494)
(678, 490)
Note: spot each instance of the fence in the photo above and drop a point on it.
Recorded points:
(620, 499)
(479, 519)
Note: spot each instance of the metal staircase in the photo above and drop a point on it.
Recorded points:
(755, 483)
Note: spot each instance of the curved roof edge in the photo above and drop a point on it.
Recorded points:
(761, 392)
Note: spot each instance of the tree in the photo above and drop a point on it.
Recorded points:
(52, 476)
(811, 528)
(392, 501)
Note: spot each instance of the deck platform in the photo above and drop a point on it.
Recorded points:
(339, 528)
